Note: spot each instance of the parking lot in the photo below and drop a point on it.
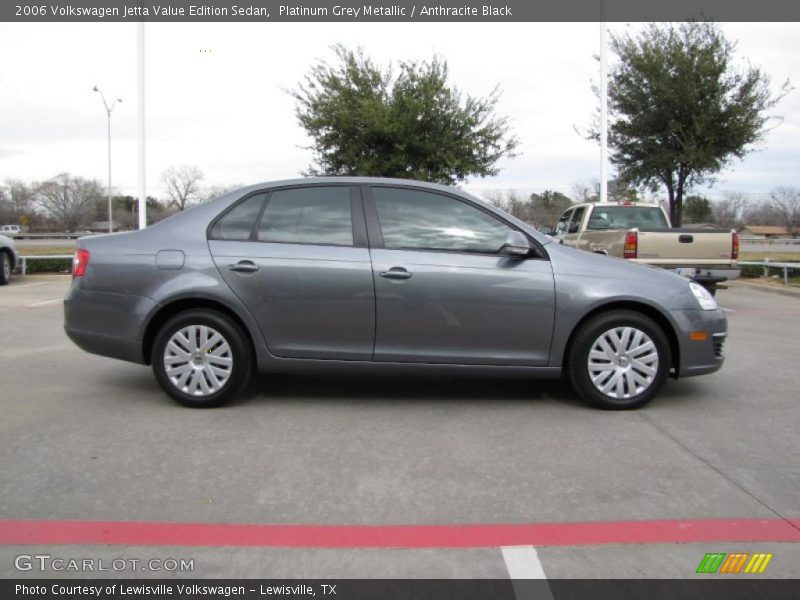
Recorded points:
(92, 439)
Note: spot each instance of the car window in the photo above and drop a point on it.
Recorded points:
(627, 217)
(238, 223)
(577, 217)
(313, 215)
(563, 222)
(415, 219)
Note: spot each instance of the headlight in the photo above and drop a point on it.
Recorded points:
(704, 298)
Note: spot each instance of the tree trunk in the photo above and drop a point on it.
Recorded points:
(671, 195)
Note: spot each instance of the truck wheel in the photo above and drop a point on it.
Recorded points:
(619, 360)
(201, 358)
(5, 268)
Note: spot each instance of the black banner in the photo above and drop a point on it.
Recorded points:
(397, 11)
(400, 589)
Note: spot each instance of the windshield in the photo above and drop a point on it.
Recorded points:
(627, 217)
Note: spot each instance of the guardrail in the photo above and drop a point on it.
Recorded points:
(768, 264)
(50, 236)
(23, 259)
(769, 241)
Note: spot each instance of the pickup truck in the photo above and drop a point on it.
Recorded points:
(642, 233)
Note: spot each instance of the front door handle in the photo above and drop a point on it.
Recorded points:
(397, 273)
(244, 266)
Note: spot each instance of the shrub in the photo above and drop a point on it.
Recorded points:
(49, 265)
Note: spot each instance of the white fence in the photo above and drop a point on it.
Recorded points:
(767, 264)
(23, 260)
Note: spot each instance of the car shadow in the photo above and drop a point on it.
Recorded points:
(311, 389)
(344, 388)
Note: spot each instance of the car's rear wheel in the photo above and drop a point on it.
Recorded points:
(619, 360)
(5, 268)
(201, 358)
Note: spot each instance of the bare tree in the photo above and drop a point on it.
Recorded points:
(17, 200)
(68, 200)
(581, 192)
(183, 185)
(729, 212)
(784, 203)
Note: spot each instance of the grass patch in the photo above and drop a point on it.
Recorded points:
(773, 256)
(44, 250)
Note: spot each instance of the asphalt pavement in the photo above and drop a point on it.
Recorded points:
(86, 438)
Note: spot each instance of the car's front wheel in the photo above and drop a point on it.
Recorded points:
(619, 360)
(201, 358)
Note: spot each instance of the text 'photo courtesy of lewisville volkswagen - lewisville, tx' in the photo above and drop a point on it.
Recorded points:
(487, 301)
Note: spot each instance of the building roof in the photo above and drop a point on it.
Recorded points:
(766, 229)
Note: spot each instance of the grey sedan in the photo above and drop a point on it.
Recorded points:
(380, 275)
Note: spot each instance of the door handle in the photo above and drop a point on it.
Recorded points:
(397, 273)
(244, 266)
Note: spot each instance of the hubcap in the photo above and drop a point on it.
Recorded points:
(623, 362)
(198, 360)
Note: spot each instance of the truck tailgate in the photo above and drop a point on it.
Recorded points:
(685, 246)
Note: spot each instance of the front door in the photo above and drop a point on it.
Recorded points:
(297, 258)
(444, 293)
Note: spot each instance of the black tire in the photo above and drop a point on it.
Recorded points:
(239, 350)
(5, 267)
(581, 346)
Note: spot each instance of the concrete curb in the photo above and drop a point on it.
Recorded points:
(794, 293)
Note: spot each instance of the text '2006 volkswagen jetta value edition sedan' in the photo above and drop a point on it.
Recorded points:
(380, 275)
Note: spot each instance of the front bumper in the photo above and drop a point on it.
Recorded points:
(698, 357)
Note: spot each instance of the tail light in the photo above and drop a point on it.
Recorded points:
(735, 246)
(631, 245)
(80, 262)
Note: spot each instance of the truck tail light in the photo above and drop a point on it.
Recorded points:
(631, 245)
(735, 246)
(80, 262)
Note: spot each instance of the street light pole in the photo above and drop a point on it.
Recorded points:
(109, 108)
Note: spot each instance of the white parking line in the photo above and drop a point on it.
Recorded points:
(522, 563)
(23, 285)
(44, 303)
(727, 309)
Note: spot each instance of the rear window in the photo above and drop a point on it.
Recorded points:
(627, 217)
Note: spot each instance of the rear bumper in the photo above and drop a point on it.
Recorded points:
(107, 324)
(703, 356)
(708, 275)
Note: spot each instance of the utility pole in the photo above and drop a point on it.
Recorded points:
(141, 129)
(108, 108)
(603, 114)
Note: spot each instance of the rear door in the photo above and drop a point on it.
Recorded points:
(444, 294)
(298, 259)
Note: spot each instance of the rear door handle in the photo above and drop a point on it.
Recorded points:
(396, 273)
(685, 239)
(244, 266)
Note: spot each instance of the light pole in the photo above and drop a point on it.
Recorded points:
(109, 108)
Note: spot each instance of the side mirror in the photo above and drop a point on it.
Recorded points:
(516, 244)
(546, 230)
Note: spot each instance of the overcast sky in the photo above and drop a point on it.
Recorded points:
(224, 109)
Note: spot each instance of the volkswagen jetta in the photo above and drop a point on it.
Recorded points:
(380, 275)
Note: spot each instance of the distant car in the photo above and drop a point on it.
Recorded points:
(8, 259)
(10, 230)
(380, 275)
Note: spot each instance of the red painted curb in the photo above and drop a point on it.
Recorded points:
(133, 533)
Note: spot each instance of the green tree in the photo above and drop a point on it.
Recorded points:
(697, 209)
(679, 108)
(364, 120)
